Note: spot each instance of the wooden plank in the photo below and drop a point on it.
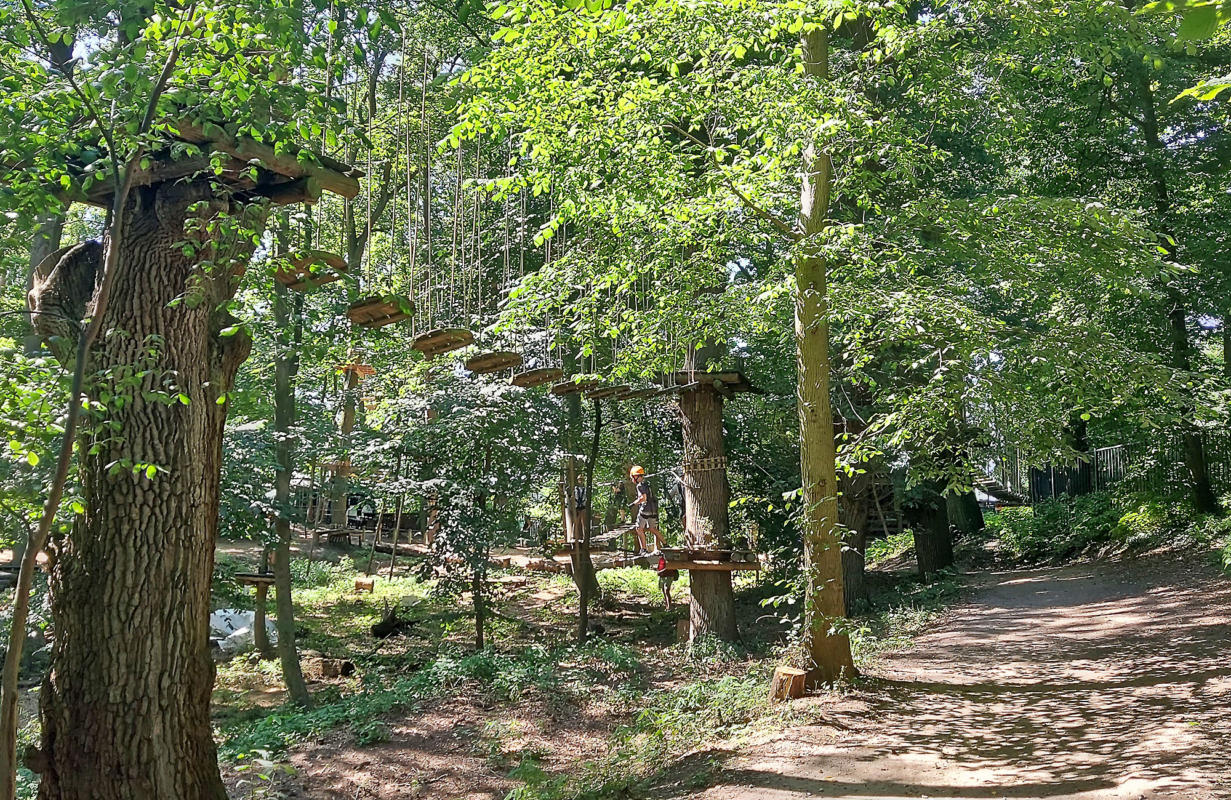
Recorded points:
(379, 310)
(442, 340)
(603, 392)
(328, 173)
(536, 377)
(309, 269)
(714, 566)
(572, 387)
(487, 363)
(254, 578)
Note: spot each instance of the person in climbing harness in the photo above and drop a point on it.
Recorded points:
(647, 511)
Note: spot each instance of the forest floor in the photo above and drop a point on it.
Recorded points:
(1101, 681)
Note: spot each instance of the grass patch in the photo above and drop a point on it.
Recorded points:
(503, 676)
(638, 583)
(892, 546)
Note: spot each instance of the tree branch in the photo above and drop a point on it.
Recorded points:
(772, 219)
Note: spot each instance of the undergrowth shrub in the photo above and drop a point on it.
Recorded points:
(1100, 521)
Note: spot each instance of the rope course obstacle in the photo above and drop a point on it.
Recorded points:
(310, 269)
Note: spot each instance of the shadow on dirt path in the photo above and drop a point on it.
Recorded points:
(1097, 682)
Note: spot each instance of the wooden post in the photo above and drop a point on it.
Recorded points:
(260, 636)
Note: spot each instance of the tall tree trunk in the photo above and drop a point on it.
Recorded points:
(964, 512)
(707, 500)
(1204, 499)
(853, 509)
(828, 652)
(125, 706)
(587, 583)
(929, 518)
(285, 369)
(341, 478)
(1081, 475)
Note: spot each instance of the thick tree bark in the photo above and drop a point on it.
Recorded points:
(125, 706)
(286, 366)
(828, 651)
(707, 500)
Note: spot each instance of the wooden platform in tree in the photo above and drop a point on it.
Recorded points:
(254, 578)
(636, 394)
(487, 363)
(564, 388)
(533, 378)
(604, 392)
(714, 566)
(442, 340)
(710, 559)
(250, 169)
(309, 269)
(726, 383)
(380, 310)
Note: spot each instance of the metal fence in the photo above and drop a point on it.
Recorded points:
(1159, 468)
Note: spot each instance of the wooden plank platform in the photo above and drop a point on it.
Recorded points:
(713, 566)
(309, 269)
(533, 378)
(604, 392)
(635, 394)
(380, 310)
(487, 363)
(564, 388)
(725, 382)
(442, 340)
(255, 578)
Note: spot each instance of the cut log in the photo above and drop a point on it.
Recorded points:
(365, 585)
(788, 684)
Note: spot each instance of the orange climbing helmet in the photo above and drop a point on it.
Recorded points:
(635, 471)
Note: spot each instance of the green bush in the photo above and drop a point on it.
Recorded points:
(1068, 526)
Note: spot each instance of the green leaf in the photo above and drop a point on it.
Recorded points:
(1200, 22)
(32, 458)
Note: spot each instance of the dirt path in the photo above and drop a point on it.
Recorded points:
(1096, 682)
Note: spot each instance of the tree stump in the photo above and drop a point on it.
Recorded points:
(787, 684)
(365, 585)
(683, 630)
